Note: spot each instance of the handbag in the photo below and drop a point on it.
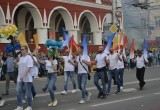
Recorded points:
(89, 76)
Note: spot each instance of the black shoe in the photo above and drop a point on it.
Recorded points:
(44, 90)
(99, 95)
(103, 97)
(34, 95)
(5, 94)
(117, 92)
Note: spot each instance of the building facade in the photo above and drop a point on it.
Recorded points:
(43, 17)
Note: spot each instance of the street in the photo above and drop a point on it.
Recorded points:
(131, 98)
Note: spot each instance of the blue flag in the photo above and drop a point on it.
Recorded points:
(85, 48)
(145, 49)
(110, 39)
(66, 38)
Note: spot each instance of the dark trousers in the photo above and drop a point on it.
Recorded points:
(140, 76)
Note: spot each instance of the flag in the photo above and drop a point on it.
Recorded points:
(145, 49)
(51, 35)
(66, 38)
(73, 45)
(125, 41)
(36, 40)
(115, 42)
(110, 39)
(132, 50)
(85, 48)
(21, 39)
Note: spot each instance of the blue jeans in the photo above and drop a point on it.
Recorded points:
(46, 85)
(97, 76)
(51, 84)
(66, 75)
(82, 81)
(20, 92)
(121, 72)
(111, 74)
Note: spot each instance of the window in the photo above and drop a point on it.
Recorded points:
(144, 23)
(158, 38)
(157, 21)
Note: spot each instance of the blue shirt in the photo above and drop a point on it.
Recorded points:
(10, 64)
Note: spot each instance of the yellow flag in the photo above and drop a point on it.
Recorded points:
(36, 40)
(21, 39)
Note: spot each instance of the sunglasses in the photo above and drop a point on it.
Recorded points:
(22, 49)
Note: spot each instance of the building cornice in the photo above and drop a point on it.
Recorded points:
(83, 3)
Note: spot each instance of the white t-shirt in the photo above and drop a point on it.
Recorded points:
(34, 69)
(49, 65)
(120, 63)
(80, 67)
(100, 60)
(113, 59)
(140, 62)
(23, 63)
(68, 66)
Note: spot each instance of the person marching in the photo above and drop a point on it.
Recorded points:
(68, 71)
(24, 79)
(100, 61)
(51, 67)
(113, 61)
(140, 68)
(82, 63)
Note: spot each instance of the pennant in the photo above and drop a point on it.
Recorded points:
(145, 49)
(132, 50)
(73, 45)
(21, 39)
(66, 38)
(36, 40)
(115, 42)
(110, 39)
(85, 48)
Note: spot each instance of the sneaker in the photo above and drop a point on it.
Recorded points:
(44, 90)
(107, 93)
(99, 95)
(73, 91)
(103, 97)
(19, 108)
(50, 104)
(117, 92)
(64, 92)
(28, 108)
(23, 101)
(89, 97)
(55, 103)
(2, 102)
(82, 102)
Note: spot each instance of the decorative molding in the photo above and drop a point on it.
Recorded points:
(83, 3)
(8, 14)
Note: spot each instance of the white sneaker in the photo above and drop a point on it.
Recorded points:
(121, 87)
(23, 101)
(55, 103)
(19, 108)
(89, 97)
(73, 91)
(64, 92)
(2, 103)
(28, 108)
(82, 102)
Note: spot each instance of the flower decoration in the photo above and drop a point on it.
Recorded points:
(10, 48)
(9, 31)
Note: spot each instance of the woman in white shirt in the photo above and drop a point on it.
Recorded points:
(51, 67)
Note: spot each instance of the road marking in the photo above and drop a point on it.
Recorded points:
(129, 90)
(90, 88)
(157, 93)
(132, 98)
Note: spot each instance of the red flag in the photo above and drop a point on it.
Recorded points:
(73, 45)
(132, 49)
(51, 35)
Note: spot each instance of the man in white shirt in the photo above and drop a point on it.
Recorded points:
(100, 61)
(68, 71)
(140, 71)
(82, 62)
(113, 61)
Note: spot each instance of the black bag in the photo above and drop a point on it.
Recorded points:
(89, 76)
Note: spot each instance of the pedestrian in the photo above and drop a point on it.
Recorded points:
(113, 61)
(10, 72)
(82, 62)
(51, 67)
(100, 61)
(68, 71)
(24, 79)
(140, 68)
(159, 57)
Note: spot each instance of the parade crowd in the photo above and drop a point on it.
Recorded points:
(24, 68)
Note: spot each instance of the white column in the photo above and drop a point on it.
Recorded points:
(42, 35)
(97, 38)
(75, 34)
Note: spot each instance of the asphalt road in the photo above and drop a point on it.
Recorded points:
(131, 98)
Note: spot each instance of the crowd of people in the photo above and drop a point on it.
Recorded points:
(24, 68)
